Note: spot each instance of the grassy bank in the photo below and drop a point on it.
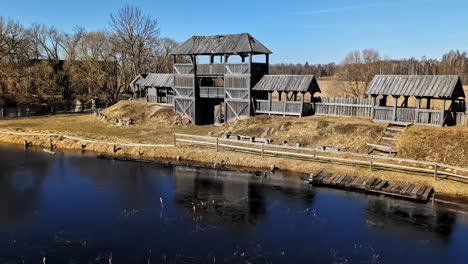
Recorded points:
(155, 125)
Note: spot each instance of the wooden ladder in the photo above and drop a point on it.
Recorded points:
(388, 141)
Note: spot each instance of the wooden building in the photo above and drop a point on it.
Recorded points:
(201, 90)
(289, 85)
(155, 87)
(437, 98)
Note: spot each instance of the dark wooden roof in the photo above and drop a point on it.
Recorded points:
(139, 79)
(154, 80)
(221, 44)
(446, 86)
(288, 83)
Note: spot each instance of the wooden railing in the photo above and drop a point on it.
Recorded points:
(211, 69)
(429, 116)
(183, 68)
(373, 161)
(383, 113)
(278, 107)
(237, 68)
(338, 109)
(154, 99)
(218, 68)
(211, 92)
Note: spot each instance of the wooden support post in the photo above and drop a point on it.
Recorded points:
(174, 139)
(302, 104)
(263, 150)
(418, 106)
(442, 113)
(217, 144)
(285, 104)
(395, 102)
(2, 113)
(371, 161)
(435, 171)
(373, 101)
(405, 102)
(314, 154)
(270, 96)
(428, 103)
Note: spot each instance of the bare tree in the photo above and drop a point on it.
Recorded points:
(357, 70)
(134, 34)
(46, 42)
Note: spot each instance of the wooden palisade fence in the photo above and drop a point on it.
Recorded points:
(362, 107)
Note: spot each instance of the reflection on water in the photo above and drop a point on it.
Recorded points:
(77, 209)
(408, 220)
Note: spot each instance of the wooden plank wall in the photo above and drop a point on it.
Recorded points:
(343, 106)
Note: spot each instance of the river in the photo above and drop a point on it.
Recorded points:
(73, 208)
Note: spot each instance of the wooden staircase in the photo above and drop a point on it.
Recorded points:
(388, 142)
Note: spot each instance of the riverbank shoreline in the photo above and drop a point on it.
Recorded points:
(208, 157)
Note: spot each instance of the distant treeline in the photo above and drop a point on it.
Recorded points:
(359, 67)
(42, 65)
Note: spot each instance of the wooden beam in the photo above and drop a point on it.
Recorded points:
(418, 106)
(442, 112)
(373, 101)
(270, 95)
(302, 103)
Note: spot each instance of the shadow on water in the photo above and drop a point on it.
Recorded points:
(73, 208)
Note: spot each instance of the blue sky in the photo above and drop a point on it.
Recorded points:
(295, 30)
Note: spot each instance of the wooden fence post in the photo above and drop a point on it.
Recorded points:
(263, 150)
(371, 160)
(217, 144)
(435, 171)
(174, 140)
(1, 113)
(314, 154)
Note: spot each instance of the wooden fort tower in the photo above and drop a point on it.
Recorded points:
(206, 91)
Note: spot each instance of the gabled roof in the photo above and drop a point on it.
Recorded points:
(288, 83)
(158, 80)
(447, 86)
(221, 44)
(139, 79)
(154, 80)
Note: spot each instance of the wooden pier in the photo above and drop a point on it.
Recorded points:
(372, 185)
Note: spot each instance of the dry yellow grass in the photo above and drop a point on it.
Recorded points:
(155, 124)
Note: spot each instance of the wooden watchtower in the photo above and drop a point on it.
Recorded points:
(202, 90)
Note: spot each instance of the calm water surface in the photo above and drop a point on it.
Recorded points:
(72, 208)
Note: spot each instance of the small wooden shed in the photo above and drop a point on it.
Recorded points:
(156, 87)
(289, 85)
(434, 90)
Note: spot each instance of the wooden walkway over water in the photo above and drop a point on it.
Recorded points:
(372, 185)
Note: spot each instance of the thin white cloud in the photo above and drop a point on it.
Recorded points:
(337, 9)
